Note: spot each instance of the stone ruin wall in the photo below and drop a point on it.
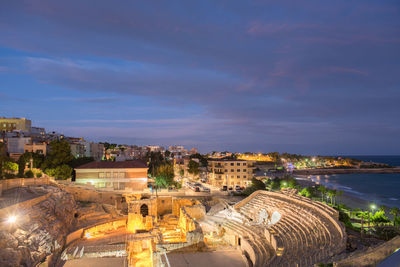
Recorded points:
(40, 230)
(371, 257)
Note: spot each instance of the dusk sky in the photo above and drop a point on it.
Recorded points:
(312, 77)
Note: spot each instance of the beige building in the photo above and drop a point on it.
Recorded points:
(40, 148)
(230, 172)
(11, 124)
(122, 175)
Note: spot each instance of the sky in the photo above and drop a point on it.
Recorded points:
(311, 77)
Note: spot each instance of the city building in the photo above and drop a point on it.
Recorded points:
(122, 175)
(97, 151)
(11, 124)
(40, 148)
(16, 145)
(77, 149)
(230, 172)
(155, 148)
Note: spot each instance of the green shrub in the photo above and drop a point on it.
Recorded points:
(29, 174)
(39, 174)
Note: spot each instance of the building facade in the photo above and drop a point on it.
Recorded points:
(40, 148)
(126, 175)
(11, 124)
(230, 172)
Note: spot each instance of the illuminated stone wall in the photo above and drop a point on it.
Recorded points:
(164, 205)
(101, 229)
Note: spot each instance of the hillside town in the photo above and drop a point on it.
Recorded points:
(68, 202)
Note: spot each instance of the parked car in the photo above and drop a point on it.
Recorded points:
(205, 189)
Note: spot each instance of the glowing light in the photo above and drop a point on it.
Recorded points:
(12, 219)
(373, 206)
(88, 235)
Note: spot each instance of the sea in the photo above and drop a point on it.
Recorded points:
(378, 188)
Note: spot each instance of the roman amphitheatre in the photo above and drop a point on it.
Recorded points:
(59, 224)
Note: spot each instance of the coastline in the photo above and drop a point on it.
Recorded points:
(350, 200)
(345, 171)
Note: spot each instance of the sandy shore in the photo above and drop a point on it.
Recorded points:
(348, 199)
(343, 171)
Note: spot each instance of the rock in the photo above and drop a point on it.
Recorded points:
(10, 257)
(7, 240)
(46, 222)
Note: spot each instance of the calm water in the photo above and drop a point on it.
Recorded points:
(383, 189)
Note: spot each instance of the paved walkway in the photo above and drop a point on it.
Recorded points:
(231, 258)
(96, 262)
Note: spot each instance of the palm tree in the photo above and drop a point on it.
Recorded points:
(330, 194)
(395, 212)
(339, 193)
(322, 189)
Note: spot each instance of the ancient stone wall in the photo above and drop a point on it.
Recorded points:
(39, 231)
(371, 257)
(164, 205)
(18, 182)
(104, 227)
(22, 206)
(91, 195)
(196, 212)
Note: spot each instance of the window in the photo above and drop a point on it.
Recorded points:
(226, 164)
(232, 164)
(244, 170)
(108, 174)
(238, 164)
(232, 170)
(244, 164)
(226, 170)
(238, 176)
(244, 176)
(238, 170)
(232, 176)
(121, 175)
(101, 174)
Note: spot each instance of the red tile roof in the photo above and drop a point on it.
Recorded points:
(114, 164)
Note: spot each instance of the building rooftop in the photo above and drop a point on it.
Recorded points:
(114, 164)
(225, 159)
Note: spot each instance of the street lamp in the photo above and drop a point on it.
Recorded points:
(12, 219)
(373, 207)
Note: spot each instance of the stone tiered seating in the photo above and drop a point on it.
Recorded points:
(262, 250)
(307, 233)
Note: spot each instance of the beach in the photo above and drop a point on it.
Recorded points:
(350, 200)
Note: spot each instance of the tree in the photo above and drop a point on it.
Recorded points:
(379, 218)
(21, 166)
(193, 167)
(322, 189)
(10, 166)
(80, 161)
(37, 159)
(165, 175)
(63, 172)
(255, 186)
(307, 192)
(59, 154)
(395, 212)
(29, 174)
(155, 160)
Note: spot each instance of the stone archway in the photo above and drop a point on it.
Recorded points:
(144, 210)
